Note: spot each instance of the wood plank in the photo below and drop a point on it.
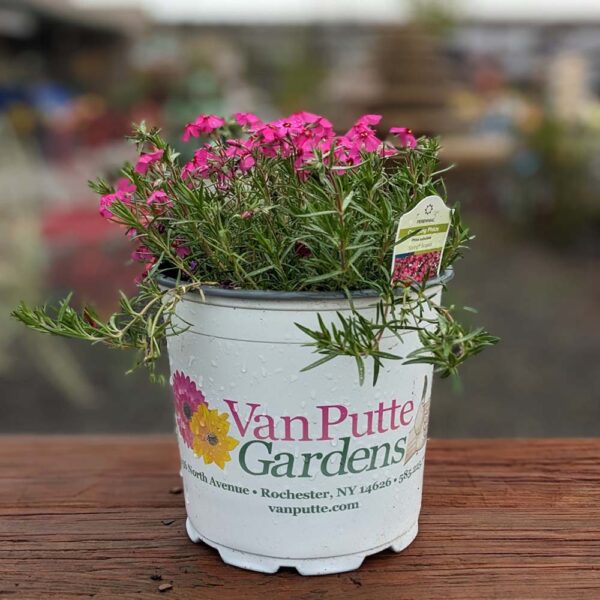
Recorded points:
(84, 517)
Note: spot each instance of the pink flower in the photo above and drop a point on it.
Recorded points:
(181, 249)
(368, 120)
(240, 150)
(246, 163)
(145, 160)
(405, 135)
(187, 398)
(202, 124)
(326, 144)
(159, 197)
(124, 191)
(147, 268)
(386, 150)
(321, 126)
(106, 202)
(363, 137)
(303, 154)
(247, 214)
(308, 117)
(248, 120)
(188, 170)
(124, 185)
(205, 160)
(316, 131)
(265, 134)
(287, 127)
(204, 163)
(346, 151)
(142, 254)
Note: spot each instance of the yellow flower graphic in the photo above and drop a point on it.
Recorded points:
(211, 442)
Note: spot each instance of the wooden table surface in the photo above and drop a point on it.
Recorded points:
(94, 517)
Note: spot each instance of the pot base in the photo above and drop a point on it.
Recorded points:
(304, 566)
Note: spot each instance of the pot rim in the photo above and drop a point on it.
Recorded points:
(168, 282)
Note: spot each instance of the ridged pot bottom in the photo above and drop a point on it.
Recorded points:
(305, 566)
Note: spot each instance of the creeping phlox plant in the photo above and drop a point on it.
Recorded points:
(286, 206)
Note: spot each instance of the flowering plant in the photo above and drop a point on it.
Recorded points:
(287, 206)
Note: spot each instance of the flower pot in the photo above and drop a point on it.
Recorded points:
(283, 468)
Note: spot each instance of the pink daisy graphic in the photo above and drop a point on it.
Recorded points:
(187, 399)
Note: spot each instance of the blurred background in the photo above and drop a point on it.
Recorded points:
(512, 87)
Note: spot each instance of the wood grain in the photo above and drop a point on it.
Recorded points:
(85, 517)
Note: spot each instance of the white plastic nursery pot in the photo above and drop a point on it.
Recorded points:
(283, 468)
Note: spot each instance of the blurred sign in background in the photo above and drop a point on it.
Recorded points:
(513, 88)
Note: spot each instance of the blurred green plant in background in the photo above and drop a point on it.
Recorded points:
(557, 191)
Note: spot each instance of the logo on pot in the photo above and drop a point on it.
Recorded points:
(206, 432)
(203, 430)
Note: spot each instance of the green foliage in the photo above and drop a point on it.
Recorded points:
(141, 323)
(276, 228)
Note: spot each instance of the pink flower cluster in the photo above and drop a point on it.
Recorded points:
(124, 191)
(203, 124)
(412, 268)
(300, 136)
(157, 201)
(145, 160)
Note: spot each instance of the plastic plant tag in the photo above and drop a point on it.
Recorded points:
(420, 240)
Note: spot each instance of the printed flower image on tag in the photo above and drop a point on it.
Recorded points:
(420, 241)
